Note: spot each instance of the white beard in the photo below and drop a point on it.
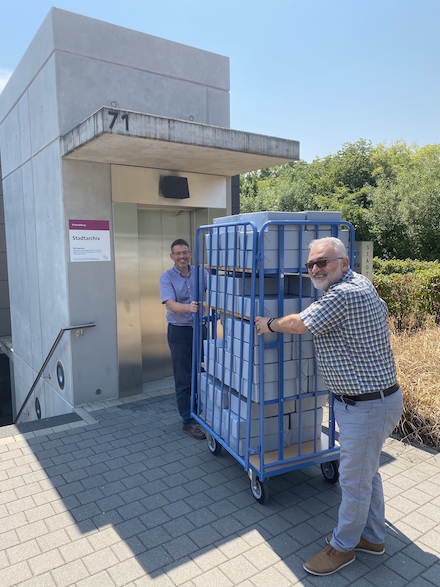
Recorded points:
(322, 284)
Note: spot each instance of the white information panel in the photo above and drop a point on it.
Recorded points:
(89, 240)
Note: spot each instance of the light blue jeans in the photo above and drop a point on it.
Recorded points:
(363, 429)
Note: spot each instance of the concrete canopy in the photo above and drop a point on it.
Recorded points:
(143, 140)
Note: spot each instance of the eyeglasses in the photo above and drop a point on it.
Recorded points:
(321, 263)
(182, 253)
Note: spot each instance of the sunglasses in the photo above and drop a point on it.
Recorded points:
(321, 263)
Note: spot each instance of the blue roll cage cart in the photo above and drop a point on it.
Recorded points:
(228, 368)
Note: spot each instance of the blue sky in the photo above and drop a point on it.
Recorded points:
(323, 72)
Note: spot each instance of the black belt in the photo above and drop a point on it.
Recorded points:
(352, 399)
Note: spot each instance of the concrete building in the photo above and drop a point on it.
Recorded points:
(5, 323)
(112, 143)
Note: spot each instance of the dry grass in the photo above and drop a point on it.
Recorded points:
(417, 356)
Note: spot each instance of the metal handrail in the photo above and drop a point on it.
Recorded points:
(49, 356)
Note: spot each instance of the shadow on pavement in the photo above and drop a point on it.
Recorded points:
(142, 499)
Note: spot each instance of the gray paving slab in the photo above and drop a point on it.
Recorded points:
(119, 495)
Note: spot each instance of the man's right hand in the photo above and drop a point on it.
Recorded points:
(261, 324)
(194, 307)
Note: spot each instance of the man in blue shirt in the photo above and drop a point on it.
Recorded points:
(177, 287)
(354, 356)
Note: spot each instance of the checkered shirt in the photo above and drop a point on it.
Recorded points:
(351, 336)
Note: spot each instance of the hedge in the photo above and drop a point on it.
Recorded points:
(411, 290)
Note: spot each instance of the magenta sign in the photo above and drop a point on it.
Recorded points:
(89, 240)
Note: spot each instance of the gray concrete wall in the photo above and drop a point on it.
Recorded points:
(92, 295)
(74, 66)
(141, 72)
(37, 275)
(5, 318)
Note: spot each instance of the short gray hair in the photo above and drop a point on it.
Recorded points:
(331, 240)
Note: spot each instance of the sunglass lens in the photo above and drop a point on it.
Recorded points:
(320, 264)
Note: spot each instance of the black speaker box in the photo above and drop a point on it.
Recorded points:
(172, 186)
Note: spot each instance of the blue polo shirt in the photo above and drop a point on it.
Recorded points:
(180, 288)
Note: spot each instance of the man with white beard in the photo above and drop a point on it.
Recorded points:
(354, 356)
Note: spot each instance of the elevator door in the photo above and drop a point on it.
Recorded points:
(157, 229)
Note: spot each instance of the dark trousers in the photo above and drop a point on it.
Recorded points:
(180, 340)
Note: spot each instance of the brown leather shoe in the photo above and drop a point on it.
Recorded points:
(364, 545)
(328, 561)
(195, 431)
(367, 546)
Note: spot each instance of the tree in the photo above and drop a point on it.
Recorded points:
(389, 162)
(419, 187)
(391, 195)
(386, 222)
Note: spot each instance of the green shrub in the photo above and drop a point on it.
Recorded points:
(399, 266)
(411, 290)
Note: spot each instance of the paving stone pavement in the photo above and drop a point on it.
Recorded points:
(124, 497)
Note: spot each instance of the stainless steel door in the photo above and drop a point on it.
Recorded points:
(127, 298)
(157, 229)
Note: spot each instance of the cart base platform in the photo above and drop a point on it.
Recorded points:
(308, 454)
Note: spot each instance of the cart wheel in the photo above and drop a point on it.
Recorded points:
(214, 446)
(260, 490)
(330, 471)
